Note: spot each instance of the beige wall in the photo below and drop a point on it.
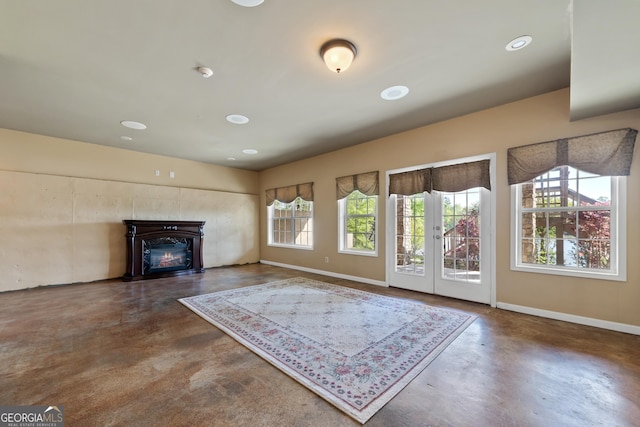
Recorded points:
(62, 204)
(25, 152)
(529, 121)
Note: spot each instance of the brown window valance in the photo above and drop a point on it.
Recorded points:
(290, 193)
(605, 153)
(462, 176)
(411, 182)
(366, 183)
(459, 177)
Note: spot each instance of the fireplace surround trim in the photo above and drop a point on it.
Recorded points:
(141, 231)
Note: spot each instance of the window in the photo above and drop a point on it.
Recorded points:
(569, 207)
(291, 224)
(570, 222)
(357, 223)
(409, 238)
(461, 235)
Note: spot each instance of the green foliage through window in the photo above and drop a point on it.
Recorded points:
(359, 222)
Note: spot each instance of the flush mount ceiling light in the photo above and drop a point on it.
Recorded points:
(133, 125)
(519, 43)
(338, 54)
(250, 151)
(394, 92)
(248, 3)
(237, 119)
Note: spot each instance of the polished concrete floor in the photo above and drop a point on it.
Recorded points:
(129, 354)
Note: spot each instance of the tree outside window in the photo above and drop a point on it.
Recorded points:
(358, 216)
(566, 220)
(461, 232)
(410, 247)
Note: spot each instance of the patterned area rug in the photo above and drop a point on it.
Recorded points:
(355, 349)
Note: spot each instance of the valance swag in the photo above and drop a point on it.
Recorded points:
(462, 176)
(605, 153)
(459, 177)
(411, 182)
(290, 193)
(366, 183)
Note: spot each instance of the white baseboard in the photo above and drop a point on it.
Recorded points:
(327, 273)
(589, 321)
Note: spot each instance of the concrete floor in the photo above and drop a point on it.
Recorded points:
(129, 354)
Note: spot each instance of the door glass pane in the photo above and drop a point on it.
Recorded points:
(460, 236)
(410, 250)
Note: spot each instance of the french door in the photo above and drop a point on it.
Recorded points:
(441, 243)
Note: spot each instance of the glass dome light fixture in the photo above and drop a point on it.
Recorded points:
(338, 54)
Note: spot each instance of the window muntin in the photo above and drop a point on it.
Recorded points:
(568, 222)
(291, 224)
(357, 224)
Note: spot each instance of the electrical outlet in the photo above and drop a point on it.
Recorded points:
(172, 174)
(326, 259)
(157, 172)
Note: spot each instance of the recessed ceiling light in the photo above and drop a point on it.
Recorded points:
(250, 151)
(519, 43)
(126, 138)
(237, 119)
(133, 125)
(248, 3)
(231, 158)
(394, 92)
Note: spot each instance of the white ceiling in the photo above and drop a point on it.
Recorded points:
(75, 69)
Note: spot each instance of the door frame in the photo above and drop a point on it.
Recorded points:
(390, 216)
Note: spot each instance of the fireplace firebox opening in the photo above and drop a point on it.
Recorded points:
(167, 254)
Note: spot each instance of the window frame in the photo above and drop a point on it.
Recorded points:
(618, 231)
(270, 226)
(342, 227)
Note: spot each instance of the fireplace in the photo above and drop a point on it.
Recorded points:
(163, 248)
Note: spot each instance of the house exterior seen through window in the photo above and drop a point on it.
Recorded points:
(291, 224)
(461, 235)
(357, 224)
(570, 222)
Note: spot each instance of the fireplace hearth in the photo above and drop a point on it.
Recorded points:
(163, 248)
